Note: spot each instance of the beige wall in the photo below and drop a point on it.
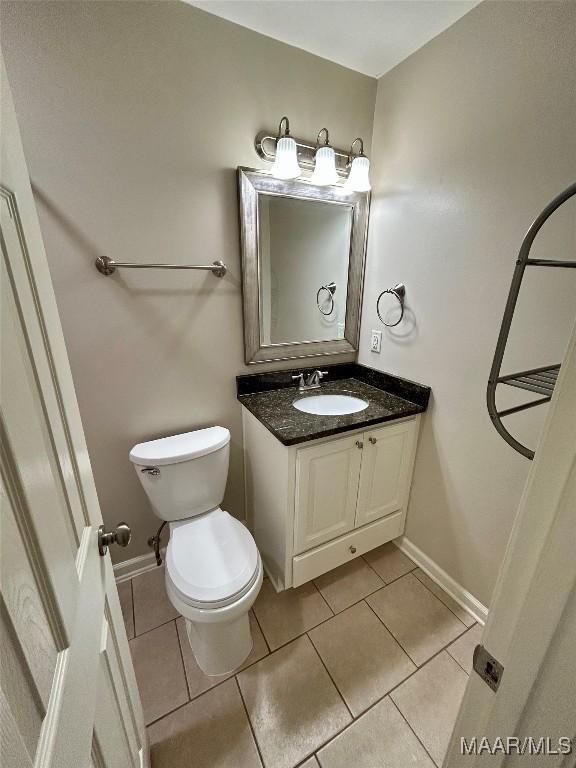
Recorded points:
(473, 134)
(134, 116)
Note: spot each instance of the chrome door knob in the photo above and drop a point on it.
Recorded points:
(373, 440)
(121, 535)
(359, 444)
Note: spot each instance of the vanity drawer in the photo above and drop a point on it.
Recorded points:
(334, 553)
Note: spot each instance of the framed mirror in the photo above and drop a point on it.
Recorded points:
(303, 251)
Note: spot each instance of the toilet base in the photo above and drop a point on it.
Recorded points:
(220, 647)
(220, 638)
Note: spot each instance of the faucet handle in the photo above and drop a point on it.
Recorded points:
(299, 377)
(321, 374)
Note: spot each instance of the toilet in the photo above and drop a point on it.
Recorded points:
(213, 567)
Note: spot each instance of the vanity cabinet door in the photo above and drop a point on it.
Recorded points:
(327, 478)
(387, 460)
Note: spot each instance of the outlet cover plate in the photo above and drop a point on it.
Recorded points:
(375, 341)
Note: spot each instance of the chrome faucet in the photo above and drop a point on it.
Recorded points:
(312, 381)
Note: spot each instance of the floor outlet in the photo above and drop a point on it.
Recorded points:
(376, 341)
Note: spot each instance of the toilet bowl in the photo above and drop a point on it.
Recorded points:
(213, 567)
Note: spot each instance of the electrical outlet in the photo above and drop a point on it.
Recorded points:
(375, 341)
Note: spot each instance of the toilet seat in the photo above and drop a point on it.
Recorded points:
(212, 560)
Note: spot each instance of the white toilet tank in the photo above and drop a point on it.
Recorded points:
(184, 475)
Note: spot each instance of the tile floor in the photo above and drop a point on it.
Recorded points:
(364, 667)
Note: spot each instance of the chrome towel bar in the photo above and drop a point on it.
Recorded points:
(107, 266)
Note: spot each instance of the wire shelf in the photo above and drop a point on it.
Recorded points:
(541, 380)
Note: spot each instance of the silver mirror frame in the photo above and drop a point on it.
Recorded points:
(251, 183)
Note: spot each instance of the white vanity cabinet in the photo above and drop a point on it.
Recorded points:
(314, 506)
(326, 491)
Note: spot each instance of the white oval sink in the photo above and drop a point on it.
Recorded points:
(330, 405)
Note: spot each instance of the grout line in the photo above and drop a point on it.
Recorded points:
(282, 645)
(373, 569)
(271, 652)
(337, 613)
(182, 656)
(418, 668)
(442, 601)
(398, 643)
(141, 634)
(235, 676)
(303, 762)
(455, 659)
(405, 649)
(172, 711)
(261, 630)
(317, 588)
(413, 731)
(368, 709)
(249, 721)
(334, 683)
(375, 703)
(348, 725)
(181, 706)
(386, 583)
(458, 663)
(207, 690)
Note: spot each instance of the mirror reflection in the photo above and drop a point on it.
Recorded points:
(304, 249)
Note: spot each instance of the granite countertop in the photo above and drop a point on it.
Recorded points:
(273, 406)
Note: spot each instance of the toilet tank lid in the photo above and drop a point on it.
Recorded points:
(176, 448)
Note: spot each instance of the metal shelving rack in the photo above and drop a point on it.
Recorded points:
(541, 380)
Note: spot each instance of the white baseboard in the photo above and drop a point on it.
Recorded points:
(127, 569)
(464, 598)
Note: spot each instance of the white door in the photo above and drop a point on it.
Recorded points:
(387, 461)
(327, 478)
(69, 696)
(531, 627)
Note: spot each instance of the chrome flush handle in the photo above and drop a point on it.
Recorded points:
(154, 471)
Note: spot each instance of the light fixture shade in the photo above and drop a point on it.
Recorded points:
(324, 167)
(359, 178)
(286, 162)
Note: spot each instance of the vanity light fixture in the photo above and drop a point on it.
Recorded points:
(292, 157)
(325, 162)
(358, 179)
(286, 162)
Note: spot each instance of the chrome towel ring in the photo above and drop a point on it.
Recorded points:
(330, 288)
(399, 291)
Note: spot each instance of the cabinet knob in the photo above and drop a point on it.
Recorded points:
(359, 444)
(373, 440)
(352, 549)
